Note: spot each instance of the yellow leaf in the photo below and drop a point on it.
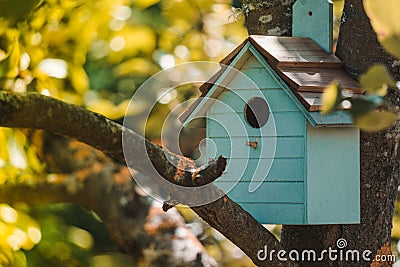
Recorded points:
(376, 80)
(3, 55)
(375, 120)
(7, 254)
(79, 79)
(392, 45)
(130, 41)
(33, 161)
(396, 227)
(107, 108)
(143, 4)
(9, 66)
(331, 98)
(136, 66)
(102, 106)
(141, 38)
(385, 20)
(384, 17)
(3, 176)
(123, 108)
(3, 149)
(11, 173)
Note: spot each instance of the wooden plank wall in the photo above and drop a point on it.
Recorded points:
(281, 198)
(333, 175)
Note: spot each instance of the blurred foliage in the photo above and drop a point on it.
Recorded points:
(337, 17)
(363, 107)
(94, 54)
(376, 81)
(18, 231)
(385, 21)
(72, 236)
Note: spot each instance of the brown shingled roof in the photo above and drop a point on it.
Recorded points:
(300, 62)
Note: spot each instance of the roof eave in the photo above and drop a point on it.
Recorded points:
(209, 91)
(315, 118)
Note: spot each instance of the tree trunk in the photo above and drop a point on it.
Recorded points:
(359, 49)
(272, 17)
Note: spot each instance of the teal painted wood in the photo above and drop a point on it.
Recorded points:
(282, 176)
(251, 62)
(234, 125)
(235, 100)
(268, 192)
(339, 117)
(314, 118)
(279, 147)
(257, 75)
(283, 84)
(269, 170)
(333, 175)
(272, 213)
(314, 19)
(210, 147)
(203, 106)
(255, 71)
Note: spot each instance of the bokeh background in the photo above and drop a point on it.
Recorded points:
(96, 53)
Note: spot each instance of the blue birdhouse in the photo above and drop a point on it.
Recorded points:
(287, 163)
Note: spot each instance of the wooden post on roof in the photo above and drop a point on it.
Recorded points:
(314, 19)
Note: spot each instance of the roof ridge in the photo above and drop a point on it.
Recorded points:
(299, 62)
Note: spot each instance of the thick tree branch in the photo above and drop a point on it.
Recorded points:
(85, 176)
(32, 110)
(40, 112)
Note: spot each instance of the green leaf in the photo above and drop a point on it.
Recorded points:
(392, 44)
(19, 259)
(385, 20)
(331, 98)
(375, 120)
(79, 78)
(17, 9)
(376, 80)
(9, 62)
(14, 55)
(143, 4)
(361, 105)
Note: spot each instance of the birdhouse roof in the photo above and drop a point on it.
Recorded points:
(304, 66)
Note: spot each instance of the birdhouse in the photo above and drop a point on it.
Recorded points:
(287, 163)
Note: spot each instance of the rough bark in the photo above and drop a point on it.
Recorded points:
(268, 17)
(32, 110)
(83, 175)
(41, 112)
(359, 49)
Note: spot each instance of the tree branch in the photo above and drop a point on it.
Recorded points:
(31, 110)
(85, 176)
(37, 111)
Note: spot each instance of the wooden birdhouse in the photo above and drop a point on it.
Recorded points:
(287, 163)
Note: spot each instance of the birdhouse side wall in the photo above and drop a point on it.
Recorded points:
(333, 175)
(268, 181)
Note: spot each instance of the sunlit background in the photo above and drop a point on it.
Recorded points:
(96, 53)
